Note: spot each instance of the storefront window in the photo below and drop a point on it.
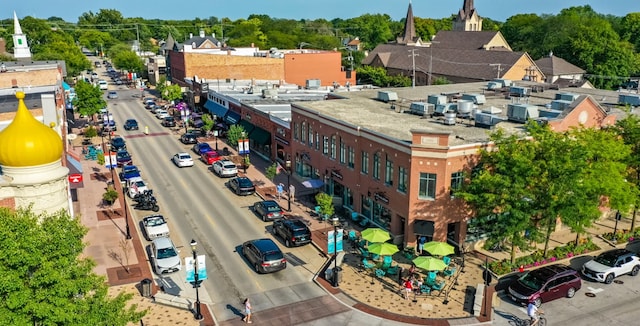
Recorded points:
(343, 152)
(402, 179)
(382, 216)
(352, 158)
(365, 163)
(348, 197)
(376, 166)
(310, 136)
(303, 132)
(333, 147)
(365, 206)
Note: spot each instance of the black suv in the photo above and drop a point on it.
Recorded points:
(131, 124)
(264, 255)
(292, 232)
(117, 144)
(169, 122)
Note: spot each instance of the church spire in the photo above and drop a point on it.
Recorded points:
(409, 36)
(20, 46)
(467, 8)
(467, 18)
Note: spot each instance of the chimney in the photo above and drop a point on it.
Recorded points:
(213, 35)
(190, 35)
(201, 33)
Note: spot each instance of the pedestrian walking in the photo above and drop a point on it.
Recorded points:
(280, 190)
(247, 311)
(408, 288)
(421, 241)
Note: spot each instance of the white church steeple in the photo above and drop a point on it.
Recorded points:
(20, 46)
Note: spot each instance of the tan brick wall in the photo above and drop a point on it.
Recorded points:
(31, 78)
(232, 67)
(326, 66)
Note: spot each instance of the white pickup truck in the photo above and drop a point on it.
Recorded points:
(136, 186)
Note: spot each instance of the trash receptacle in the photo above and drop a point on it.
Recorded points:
(337, 276)
(146, 287)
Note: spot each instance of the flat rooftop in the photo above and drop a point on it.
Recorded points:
(361, 108)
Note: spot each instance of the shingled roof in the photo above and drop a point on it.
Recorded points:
(464, 40)
(554, 66)
(469, 64)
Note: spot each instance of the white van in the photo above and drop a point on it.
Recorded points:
(103, 84)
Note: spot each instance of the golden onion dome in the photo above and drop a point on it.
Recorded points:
(27, 141)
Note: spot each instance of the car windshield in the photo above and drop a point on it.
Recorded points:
(139, 184)
(168, 119)
(229, 166)
(185, 157)
(244, 182)
(531, 281)
(272, 208)
(164, 253)
(123, 155)
(156, 221)
(273, 255)
(607, 260)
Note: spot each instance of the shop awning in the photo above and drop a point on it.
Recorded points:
(215, 108)
(231, 117)
(74, 168)
(248, 126)
(65, 86)
(423, 227)
(260, 136)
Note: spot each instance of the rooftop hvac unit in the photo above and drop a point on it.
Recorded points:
(548, 113)
(631, 99)
(522, 112)
(421, 108)
(486, 120)
(494, 85)
(386, 96)
(475, 98)
(464, 108)
(269, 93)
(492, 110)
(504, 82)
(519, 91)
(567, 97)
(312, 84)
(437, 99)
(560, 104)
(449, 118)
(441, 109)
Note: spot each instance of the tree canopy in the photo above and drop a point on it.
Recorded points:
(43, 279)
(89, 98)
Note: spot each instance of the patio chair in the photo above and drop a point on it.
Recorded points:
(363, 252)
(316, 210)
(425, 289)
(367, 264)
(386, 262)
(355, 216)
(362, 243)
(353, 236)
(393, 270)
(364, 222)
(446, 260)
(409, 253)
(380, 273)
(375, 256)
(438, 286)
(430, 279)
(449, 272)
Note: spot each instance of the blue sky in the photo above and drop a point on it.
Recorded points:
(499, 10)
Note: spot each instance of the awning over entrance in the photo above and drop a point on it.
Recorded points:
(231, 117)
(260, 136)
(423, 227)
(248, 126)
(74, 168)
(215, 108)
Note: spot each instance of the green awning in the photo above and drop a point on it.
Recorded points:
(260, 136)
(248, 126)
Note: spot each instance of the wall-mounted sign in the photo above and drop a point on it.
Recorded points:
(381, 197)
(75, 178)
(336, 174)
(280, 140)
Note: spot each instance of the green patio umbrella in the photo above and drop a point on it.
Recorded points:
(438, 248)
(375, 235)
(383, 249)
(429, 263)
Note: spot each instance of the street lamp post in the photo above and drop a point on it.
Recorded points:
(335, 252)
(246, 150)
(196, 284)
(107, 118)
(126, 215)
(288, 168)
(215, 131)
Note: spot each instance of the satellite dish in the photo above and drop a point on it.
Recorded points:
(72, 136)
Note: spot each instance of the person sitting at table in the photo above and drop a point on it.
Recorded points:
(418, 285)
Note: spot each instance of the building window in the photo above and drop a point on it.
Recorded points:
(303, 132)
(310, 136)
(325, 145)
(364, 164)
(343, 152)
(333, 147)
(376, 166)
(456, 181)
(402, 179)
(317, 141)
(427, 186)
(388, 173)
(296, 131)
(352, 158)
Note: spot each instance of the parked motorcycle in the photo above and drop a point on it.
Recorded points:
(146, 201)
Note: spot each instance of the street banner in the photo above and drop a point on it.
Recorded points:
(338, 242)
(240, 146)
(189, 269)
(246, 146)
(110, 161)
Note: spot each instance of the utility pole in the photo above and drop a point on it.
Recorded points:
(138, 39)
(499, 69)
(413, 60)
(431, 61)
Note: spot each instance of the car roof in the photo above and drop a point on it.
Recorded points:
(265, 245)
(270, 203)
(225, 162)
(615, 253)
(296, 224)
(163, 242)
(152, 216)
(549, 271)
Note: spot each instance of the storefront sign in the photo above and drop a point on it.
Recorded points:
(278, 139)
(75, 178)
(381, 197)
(336, 174)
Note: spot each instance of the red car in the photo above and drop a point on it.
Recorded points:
(210, 157)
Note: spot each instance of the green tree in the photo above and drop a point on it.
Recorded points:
(172, 92)
(271, 171)
(161, 85)
(629, 129)
(45, 281)
(89, 99)
(96, 40)
(325, 201)
(128, 60)
(234, 134)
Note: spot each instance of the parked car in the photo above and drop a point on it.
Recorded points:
(224, 169)
(129, 171)
(118, 143)
(112, 95)
(188, 138)
(146, 100)
(123, 158)
(268, 210)
(118, 81)
(201, 148)
(136, 186)
(292, 232)
(264, 255)
(242, 186)
(131, 124)
(209, 157)
(168, 122)
(182, 160)
(197, 132)
(155, 226)
(611, 264)
(150, 105)
(545, 284)
(165, 256)
(161, 114)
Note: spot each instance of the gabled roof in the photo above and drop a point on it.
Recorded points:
(577, 102)
(472, 64)
(554, 66)
(198, 41)
(355, 41)
(169, 43)
(465, 40)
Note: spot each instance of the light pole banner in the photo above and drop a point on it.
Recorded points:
(338, 242)
(189, 269)
(246, 146)
(110, 161)
(240, 146)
